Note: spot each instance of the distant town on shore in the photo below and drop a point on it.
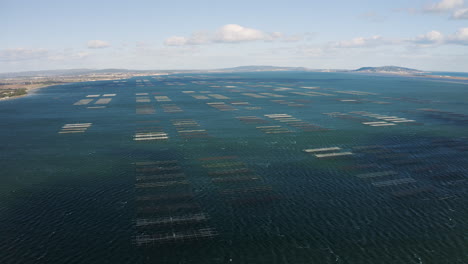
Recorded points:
(17, 84)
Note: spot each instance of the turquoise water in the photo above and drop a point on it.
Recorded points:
(222, 176)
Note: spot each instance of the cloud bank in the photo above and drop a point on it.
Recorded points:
(98, 44)
(432, 37)
(22, 54)
(231, 33)
(460, 14)
(444, 5)
(361, 42)
(460, 37)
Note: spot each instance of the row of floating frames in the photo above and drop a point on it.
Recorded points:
(200, 97)
(282, 89)
(145, 109)
(143, 99)
(410, 100)
(254, 95)
(288, 103)
(174, 237)
(144, 83)
(355, 92)
(330, 152)
(385, 178)
(245, 105)
(240, 103)
(251, 120)
(273, 129)
(166, 209)
(96, 107)
(354, 101)
(103, 95)
(89, 98)
(189, 128)
(234, 89)
(408, 165)
(384, 120)
(272, 95)
(103, 101)
(446, 116)
(221, 106)
(83, 102)
(305, 93)
(297, 123)
(171, 108)
(163, 99)
(75, 128)
(377, 102)
(145, 133)
(219, 96)
(318, 94)
(310, 87)
(347, 117)
(238, 184)
(172, 220)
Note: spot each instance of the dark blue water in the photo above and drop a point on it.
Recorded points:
(219, 178)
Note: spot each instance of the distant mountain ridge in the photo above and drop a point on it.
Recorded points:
(67, 72)
(388, 69)
(77, 72)
(249, 68)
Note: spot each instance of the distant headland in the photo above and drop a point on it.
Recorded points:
(16, 84)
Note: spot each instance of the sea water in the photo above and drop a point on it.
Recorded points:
(239, 162)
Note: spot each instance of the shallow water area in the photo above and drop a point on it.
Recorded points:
(265, 167)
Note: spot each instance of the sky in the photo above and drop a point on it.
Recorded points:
(429, 35)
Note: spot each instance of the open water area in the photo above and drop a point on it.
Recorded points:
(266, 167)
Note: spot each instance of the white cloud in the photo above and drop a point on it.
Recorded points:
(22, 54)
(460, 14)
(68, 55)
(198, 38)
(460, 37)
(82, 54)
(361, 42)
(176, 41)
(235, 33)
(444, 5)
(98, 44)
(432, 37)
(292, 38)
(436, 38)
(230, 33)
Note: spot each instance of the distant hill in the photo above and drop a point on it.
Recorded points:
(388, 69)
(250, 68)
(66, 72)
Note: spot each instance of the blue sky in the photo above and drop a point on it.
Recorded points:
(143, 34)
